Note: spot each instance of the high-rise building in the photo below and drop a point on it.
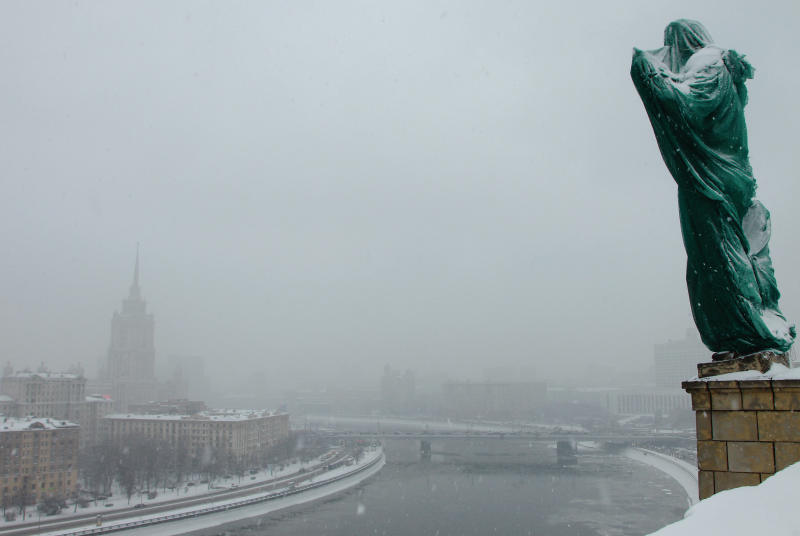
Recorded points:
(130, 366)
(493, 399)
(398, 391)
(38, 458)
(97, 407)
(676, 361)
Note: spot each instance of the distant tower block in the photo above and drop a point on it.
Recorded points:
(130, 366)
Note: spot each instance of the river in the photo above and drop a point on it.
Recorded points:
(483, 488)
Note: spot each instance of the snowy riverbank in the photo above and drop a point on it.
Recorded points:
(684, 473)
(194, 488)
(217, 513)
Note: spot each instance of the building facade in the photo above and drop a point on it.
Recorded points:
(652, 402)
(239, 433)
(493, 399)
(398, 392)
(58, 395)
(676, 361)
(92, 422)
(129, 369)
(38, 459)
(170, 407)
(54, 395)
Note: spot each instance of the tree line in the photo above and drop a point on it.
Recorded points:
(136, 463)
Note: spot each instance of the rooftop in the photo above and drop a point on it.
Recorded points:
(9, 424)
(229, 415)
(45, 375)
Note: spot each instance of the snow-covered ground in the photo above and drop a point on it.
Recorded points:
(768, 508)
(252, 510)
(685, 474)
(119, 501)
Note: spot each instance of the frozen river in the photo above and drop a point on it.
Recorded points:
(465, 489)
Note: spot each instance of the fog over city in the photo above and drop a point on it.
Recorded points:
(321, 188)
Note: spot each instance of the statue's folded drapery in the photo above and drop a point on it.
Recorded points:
(694, 94)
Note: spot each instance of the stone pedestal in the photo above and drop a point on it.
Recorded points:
(746, 430)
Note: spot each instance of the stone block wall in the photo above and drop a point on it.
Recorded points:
(746, 430)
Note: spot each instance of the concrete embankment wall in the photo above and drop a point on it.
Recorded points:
(682, 472)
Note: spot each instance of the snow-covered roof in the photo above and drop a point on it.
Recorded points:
(45, 375)
(30, 423)
(6, 398)
(234, 415)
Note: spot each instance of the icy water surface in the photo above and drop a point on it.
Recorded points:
(471, 491)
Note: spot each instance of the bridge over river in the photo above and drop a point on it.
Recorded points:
(426, 430)
(600, 438)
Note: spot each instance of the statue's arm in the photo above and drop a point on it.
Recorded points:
(653, 78)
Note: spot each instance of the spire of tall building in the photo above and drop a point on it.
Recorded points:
(135, 293)
(130, 365)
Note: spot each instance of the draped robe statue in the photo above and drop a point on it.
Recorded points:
(694, 94)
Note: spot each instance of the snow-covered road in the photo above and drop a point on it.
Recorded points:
(232, 510)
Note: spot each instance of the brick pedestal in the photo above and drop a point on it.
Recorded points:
(746, 430)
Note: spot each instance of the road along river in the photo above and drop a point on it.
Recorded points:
(220, 512)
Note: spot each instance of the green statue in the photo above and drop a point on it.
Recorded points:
(694, 93)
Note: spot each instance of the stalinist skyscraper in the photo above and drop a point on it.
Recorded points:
(130, 366)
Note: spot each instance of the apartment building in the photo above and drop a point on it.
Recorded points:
(38, 458)
(54, 395)
(241, 433)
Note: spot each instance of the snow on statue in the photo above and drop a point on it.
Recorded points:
(694, 93)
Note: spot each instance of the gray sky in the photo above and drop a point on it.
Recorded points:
(325, 187)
